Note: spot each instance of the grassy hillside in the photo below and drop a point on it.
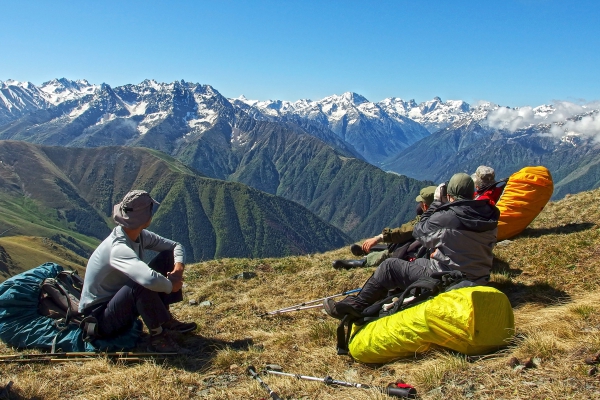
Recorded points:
(551, 273)
(20, 253)
(45, 191)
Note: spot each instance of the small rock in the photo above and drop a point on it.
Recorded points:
(592, 371)
(593, 359)
(191, 388)
(205, 303)
(528, 363)
(234, 367)
(504, 243)
(193, 302)
(513, 362)
(244, 275)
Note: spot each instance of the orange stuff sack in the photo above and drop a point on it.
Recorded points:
(525, 195)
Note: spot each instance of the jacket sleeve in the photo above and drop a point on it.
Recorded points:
(157, 243)
(401, 234)
(433, 220)
(124, 259)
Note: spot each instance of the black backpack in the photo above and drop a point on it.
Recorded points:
(59, 299)
(420, 291)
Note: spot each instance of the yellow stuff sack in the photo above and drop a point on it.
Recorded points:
(525, 195)
(472, 320)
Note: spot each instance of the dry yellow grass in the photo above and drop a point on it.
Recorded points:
(551, 274)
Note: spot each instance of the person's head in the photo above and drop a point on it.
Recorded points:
(135, 210)
(483, 176)
(425, 197)
(460, 187)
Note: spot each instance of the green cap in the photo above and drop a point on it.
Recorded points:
(426, 195)
(461, 186)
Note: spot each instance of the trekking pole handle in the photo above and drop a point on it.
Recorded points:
(407, 391)
(252, 371)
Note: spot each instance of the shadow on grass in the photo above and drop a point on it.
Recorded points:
(519, 293)
(539, 292)
(203, 350)
(502, 267)
(563, 229)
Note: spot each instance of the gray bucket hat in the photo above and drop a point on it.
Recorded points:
(134, 210)
(484, 176)
(461, 186)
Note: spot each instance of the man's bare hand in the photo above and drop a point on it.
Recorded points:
(177, 271)
(369, 243)
(176, 282)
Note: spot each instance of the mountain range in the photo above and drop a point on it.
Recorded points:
(294, 157)
(327, 155)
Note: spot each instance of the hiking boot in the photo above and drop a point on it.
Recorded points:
(349, 264)
(342, 308)
(173, 324)
(357, 250)
(164, 343)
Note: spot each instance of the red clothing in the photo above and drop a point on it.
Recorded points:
(492, 195)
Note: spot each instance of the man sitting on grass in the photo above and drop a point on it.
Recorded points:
(400, 240)
(119, 286)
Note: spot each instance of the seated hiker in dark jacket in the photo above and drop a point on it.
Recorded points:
(395, 238)
(461, 235)
(119, 286)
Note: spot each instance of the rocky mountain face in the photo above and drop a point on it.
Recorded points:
(50, 191)
(368, 127)
(20, 98)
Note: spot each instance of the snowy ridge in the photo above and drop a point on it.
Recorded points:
(375, 130)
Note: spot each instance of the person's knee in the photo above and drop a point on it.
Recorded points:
(383, 271)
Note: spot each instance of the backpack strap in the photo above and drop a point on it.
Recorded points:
(343, 338)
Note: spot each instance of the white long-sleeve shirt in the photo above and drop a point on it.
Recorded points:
(118, 259)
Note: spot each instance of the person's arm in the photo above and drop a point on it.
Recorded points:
(369, 243)
(125, 260)
(157, 243)
(401, 234)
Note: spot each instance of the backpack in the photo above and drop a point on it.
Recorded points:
(59, 299)
(418, 292)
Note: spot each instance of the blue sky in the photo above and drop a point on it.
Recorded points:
(512, 52)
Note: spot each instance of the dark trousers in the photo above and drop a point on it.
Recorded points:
(391, 274)
(134, 300)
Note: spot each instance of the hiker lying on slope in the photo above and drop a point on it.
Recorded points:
(400, 240)
(461, 235)
(119, 286)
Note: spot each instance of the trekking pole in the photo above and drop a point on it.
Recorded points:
(252, 371)
(394, 390)
(305, 305)
(83, 354)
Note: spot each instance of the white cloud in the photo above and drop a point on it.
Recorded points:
(513, 119)
(588, 127)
